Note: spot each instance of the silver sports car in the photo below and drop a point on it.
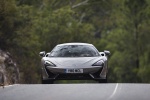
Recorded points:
(74, 61)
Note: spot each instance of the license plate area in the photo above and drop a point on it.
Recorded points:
(73, 70)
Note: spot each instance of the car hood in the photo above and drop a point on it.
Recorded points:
(74, 62)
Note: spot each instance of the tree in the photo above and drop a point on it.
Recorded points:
(126, 39)
(7, 23)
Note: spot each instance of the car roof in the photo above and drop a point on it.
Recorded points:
(74, 44)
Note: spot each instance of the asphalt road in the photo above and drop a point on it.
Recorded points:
(109, 91)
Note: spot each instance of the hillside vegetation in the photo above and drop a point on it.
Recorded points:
(120, 26)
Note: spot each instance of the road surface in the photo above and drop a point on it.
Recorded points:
(109, 91)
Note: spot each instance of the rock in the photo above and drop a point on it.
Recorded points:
(9, 72)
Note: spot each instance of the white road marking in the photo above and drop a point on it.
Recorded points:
(10, 85)
(114, 92)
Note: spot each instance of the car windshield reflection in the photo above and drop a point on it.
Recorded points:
(74, 51)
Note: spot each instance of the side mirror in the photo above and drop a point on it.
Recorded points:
(107, 53)
(42, 54)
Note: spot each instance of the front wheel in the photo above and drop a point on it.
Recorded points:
(102, 81)
(47, 81)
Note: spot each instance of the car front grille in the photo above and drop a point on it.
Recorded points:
(74, 76)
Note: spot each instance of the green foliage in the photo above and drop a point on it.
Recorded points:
(60, 26)
(126, 39)
(7, 22)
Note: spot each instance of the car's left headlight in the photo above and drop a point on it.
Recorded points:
(99, 63)
(48, 63)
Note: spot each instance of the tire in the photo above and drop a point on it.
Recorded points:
(47, 81)
(103, 81)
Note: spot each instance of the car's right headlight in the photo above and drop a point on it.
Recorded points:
(48, 63)
(99, 63)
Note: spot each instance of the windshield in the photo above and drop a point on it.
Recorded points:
(74, 51)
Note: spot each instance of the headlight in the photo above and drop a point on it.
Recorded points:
(99, 63)
(48, 63)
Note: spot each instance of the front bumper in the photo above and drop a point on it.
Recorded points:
(59, 74)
